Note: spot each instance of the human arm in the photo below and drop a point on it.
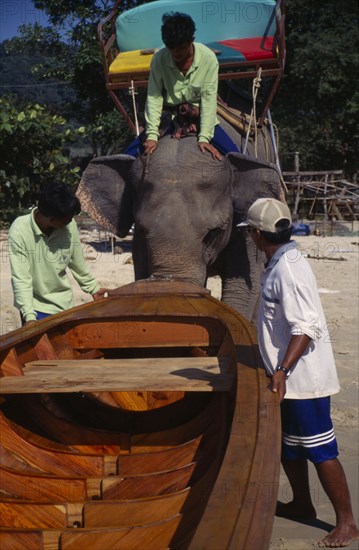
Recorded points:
(300, 309)
(21, 277)
(149, 146)
(78, 265)
(100, 293)
(208, 116)
(296, 347)
(154, 104)
(204, 146)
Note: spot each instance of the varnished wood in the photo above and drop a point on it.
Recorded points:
(184, 468)
(147, 485)
(49, 461)
(27, 515)
(149, 536)
(143, 463)
(45, 488)
(169, 374)
(11, 366)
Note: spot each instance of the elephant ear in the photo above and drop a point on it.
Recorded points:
(105, 193)
(252, 179)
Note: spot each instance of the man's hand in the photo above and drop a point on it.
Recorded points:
(29, 323)
(100, 293)
(278, 384)
(204, 146)
(149, 146)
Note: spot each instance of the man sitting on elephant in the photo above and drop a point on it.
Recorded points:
(183, 77)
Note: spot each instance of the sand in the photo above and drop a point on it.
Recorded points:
(337, 273)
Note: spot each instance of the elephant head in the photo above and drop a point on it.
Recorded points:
(185, 207)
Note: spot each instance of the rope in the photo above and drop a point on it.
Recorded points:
(133, 93)
(275, 141)
(253, 117)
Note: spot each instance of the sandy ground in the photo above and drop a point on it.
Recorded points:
(337, 273)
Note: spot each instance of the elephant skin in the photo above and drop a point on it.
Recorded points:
(185, 207)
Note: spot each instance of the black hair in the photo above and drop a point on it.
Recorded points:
(177, 29)
(57, 200)
(282, 235)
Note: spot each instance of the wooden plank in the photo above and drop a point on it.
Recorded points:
(27, 515)
(139, 333)
(126, 513)
(151, 463)
(79, 437)
(151, 537)
(254, 526)
(171, 288)
(63, 464)
(243, 499)
(11, 365)
(42, 488)
(147, 485)
(151, 364)
(137, 401)
(21, 540)
(87, 440)
(160, 374)
(13, 462)
(44, 349)
(108, 451)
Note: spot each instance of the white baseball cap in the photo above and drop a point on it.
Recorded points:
(264, 214)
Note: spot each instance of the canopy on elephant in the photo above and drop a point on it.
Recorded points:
(246, 36)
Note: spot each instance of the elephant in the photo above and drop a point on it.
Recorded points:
(185, 207)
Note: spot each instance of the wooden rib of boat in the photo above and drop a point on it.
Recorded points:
(140, 421)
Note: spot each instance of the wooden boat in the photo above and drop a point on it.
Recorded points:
(140, 421)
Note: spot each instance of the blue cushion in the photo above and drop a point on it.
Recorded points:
(140, 27)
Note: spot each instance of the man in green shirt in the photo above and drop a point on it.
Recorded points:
(42, 245)
(182, 72)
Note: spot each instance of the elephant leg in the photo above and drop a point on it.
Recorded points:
(241, 270)
(140, 256)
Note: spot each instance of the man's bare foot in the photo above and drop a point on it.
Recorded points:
(340, 536)
(291, 510)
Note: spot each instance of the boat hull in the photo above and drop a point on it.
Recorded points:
(142, 420)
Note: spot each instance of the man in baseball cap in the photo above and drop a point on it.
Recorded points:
(295, 346)
(269, 215)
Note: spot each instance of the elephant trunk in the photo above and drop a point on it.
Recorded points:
(171, 261)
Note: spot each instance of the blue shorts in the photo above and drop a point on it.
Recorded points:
(39, 315)
(307, 430)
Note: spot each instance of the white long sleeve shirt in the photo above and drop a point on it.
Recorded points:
(290, 305)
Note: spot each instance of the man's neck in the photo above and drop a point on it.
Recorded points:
(184, 66)
(42, 222)
(271, 249)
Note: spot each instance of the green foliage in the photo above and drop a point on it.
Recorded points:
(56, 71)
(71, 59)
(44, 41)
(317, 106)
(107, 134)
(33, 153)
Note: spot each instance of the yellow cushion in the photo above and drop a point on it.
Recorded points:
(131, 62)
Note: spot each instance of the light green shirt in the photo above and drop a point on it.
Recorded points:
(38, 267)
(167, 85)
